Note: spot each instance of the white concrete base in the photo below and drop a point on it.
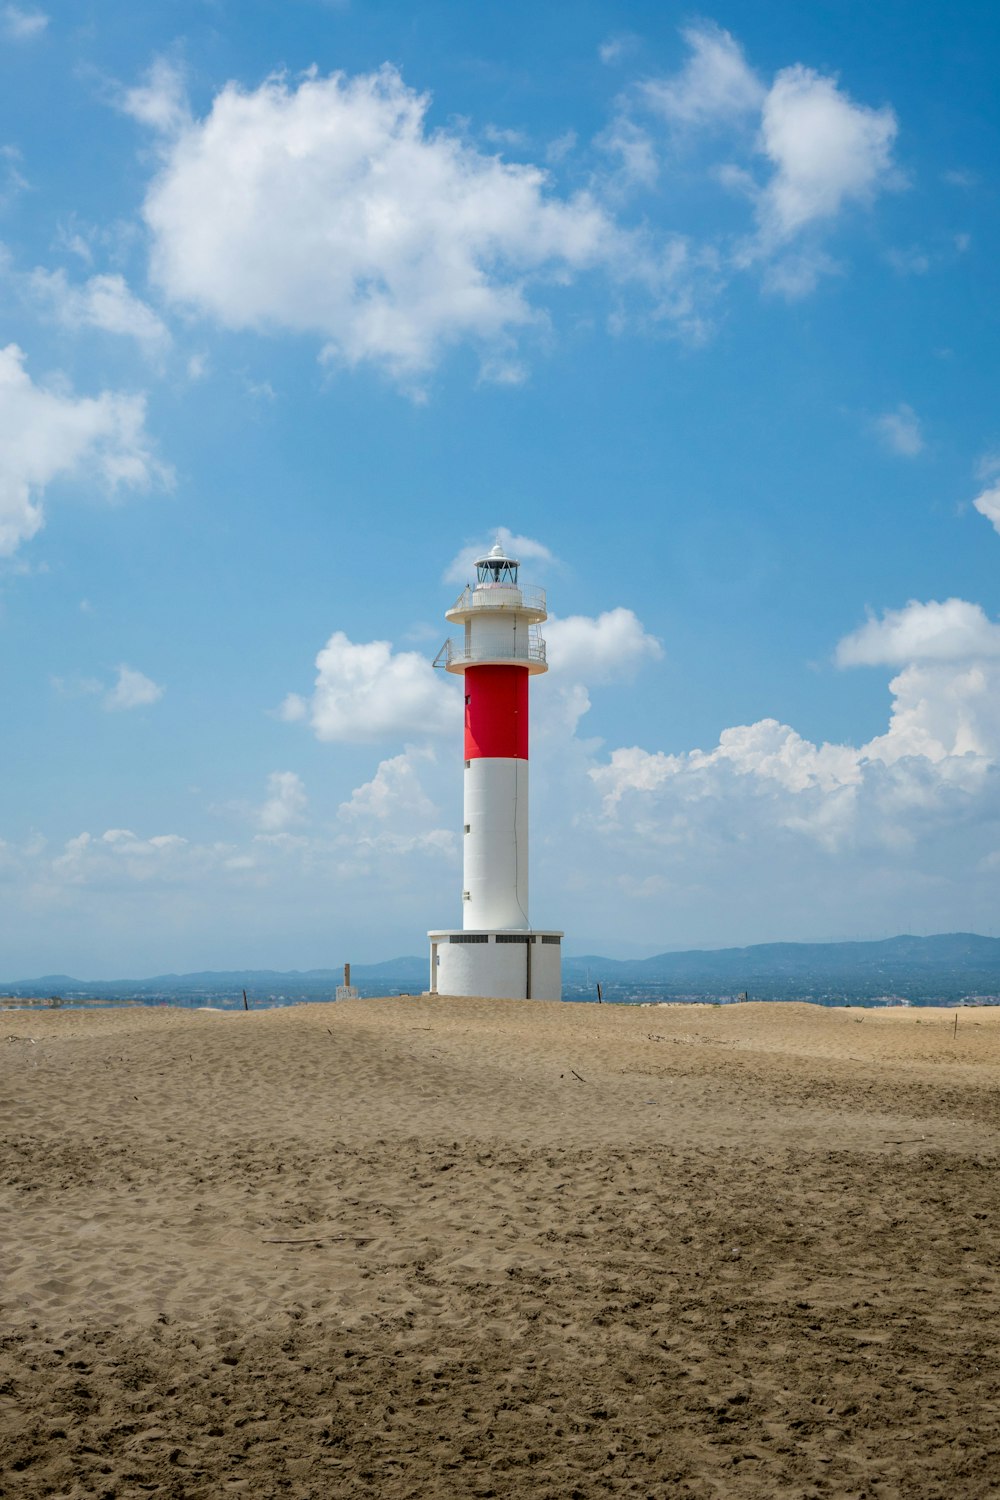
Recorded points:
(496, 965)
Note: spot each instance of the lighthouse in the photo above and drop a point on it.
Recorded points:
(496, 952)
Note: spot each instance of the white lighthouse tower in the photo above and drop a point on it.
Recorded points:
(496, 952)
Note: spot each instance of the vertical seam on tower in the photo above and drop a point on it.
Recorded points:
(517, 852)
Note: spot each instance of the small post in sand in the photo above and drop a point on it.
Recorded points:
(347, 991)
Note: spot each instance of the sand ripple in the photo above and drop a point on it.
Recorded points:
(408, 1248)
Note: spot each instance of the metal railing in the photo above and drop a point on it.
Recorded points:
(456, 653)
(500, 596)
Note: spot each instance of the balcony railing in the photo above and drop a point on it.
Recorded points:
(500, 596)
(457, 654)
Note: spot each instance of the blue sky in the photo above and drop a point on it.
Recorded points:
(301, 301)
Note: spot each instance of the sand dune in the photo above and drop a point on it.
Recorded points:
(468, 1248)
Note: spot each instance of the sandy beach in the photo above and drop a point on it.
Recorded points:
(475, 1248)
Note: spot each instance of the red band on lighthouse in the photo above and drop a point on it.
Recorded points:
(496, 713)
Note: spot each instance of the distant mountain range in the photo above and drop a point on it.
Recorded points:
(945, 967)
(393, 972)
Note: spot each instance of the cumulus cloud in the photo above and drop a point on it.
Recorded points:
(285, 805)
(764, 784)
(805, 150)
(365, 691)
(900, 431)
(89, 858)
(393, 813)
(160, 101)
(331, 208)
(395, 791)
(715, 85)
(768, 832)
(103, 302)
(797, 273)
(132, 689)
(952, 630)
(766, 749)
(599, 649)
(614, 49)
(987, 502)
(22, 25)
(947, 715)
(634, 151)
(913, 261)
(12, 179)
(48, 434)
(826, 151)
(764, 793)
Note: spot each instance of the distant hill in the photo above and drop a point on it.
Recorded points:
(391, 974)
(944, 967)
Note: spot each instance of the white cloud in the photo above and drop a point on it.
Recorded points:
(952, 630)
(768, 750)
(909, 262)
(78, 687)
(331, 208)
(103, 302)
(327, 206)
(635, 150)
(132, 689)
(987, 502)
(524, 548)
(394, 792)
(214, 891)
(947, 714)
(161, 101)
(95, 859)
(393, 815)
(796, 274)
(22, 25)
(806, 151)
(826, 151)
(12, 179)
(715, 85)
(767, 832)
(616, 48)
(763, 784)
(367, 692)
(285, 805)
(558, 150)
(900, 431)
(500, 135)
(48, 434)
(599, 650)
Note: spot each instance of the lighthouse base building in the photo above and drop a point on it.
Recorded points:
(497, 965)
(496, 953)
